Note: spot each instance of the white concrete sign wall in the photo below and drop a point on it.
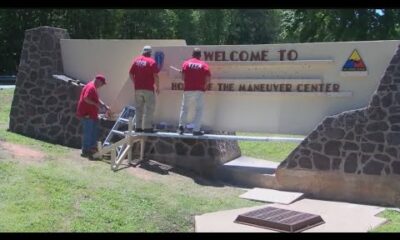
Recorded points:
(83, 59)
(272, 88)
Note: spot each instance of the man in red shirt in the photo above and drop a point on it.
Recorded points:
(196, 77)
(144, 74)
(87, 110)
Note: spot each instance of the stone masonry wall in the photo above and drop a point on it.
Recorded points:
(44, 107)
(354, 155)
(200, 156)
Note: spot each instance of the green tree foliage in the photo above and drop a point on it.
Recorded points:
(145, 23)
(13, 23)
(339, 25)
(198, 26)
(185, 25)
(87, 23)
(212, 26)
(251, 26)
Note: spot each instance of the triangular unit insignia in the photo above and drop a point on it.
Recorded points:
(354, 63)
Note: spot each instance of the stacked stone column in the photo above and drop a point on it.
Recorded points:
(44, 108)
(355, 155)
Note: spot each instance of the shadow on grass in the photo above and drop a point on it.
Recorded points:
(201, 180)
(164, 169)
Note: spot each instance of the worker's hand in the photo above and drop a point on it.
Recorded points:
(109, 114)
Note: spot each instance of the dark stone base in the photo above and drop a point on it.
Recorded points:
(354, 155)
(364, 189)
(200, 156)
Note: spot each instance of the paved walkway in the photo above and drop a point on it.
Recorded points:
(338, 217)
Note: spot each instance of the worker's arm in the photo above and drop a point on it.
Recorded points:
(100, 103)
(157, 82)
(132, 77)
(183, 79)
(103, 104)
(207, 82)
(90, 101)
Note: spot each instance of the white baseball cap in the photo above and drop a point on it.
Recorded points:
(146, 49)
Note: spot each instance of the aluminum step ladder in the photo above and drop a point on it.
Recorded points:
(120, 126)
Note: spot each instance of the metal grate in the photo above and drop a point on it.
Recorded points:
(281, 220)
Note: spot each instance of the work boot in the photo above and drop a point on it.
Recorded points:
(93, 150)
(92, 158)
(198, 133)
(85, 153)
(181, 130)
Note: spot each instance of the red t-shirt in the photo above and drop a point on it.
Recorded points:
(84, 108)
(196, 72)
(143, 69)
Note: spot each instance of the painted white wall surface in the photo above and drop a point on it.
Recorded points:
(84, 58)
(270, 112)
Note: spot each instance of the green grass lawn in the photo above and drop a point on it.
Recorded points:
(394, 222)
(74, 196)
(272, 151)
(67, 193)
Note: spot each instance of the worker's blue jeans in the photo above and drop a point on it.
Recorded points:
(90, 133)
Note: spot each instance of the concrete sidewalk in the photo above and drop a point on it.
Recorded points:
(249, 172)
(271, 195)
(338, 217)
